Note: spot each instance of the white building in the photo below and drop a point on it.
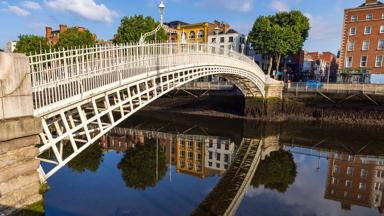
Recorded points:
(230, 39)
(219, 154)
(10, 46)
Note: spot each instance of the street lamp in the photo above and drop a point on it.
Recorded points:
(161, 8)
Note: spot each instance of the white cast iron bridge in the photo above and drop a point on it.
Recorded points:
(81, 94)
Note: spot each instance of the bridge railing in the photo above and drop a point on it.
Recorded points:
(62, 76)
(337, 88)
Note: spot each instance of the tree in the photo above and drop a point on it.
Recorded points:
(261, 38)
(139, 165)
(90, 159)
(276, 172)
(294, 31)
(31, 44)
(279, 35)
(72, 37)
(131, 29)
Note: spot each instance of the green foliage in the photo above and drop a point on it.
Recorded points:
(279, 35)
(31, 43)
(138, 167)
(276, 172)
(90, 159)
(74, 38)
(131, 29)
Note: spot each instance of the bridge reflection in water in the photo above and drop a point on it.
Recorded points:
(203, 156)
(249, 161)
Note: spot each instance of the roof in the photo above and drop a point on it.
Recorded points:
(371, 5)
(367, 6)
(176, 23)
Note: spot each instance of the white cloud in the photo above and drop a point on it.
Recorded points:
(87, 9)
(17, 10)
(31, 5)
(238, 5)
(279, 6)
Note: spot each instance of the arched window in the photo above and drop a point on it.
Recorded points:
(192, 35)
(200, 34)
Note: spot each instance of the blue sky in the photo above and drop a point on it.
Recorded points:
(103, 16)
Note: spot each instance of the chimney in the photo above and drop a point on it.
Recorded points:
(370, 2)
(63, 28)
(48, 32)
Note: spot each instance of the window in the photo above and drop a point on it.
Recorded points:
(348, 63)
(231, 39)
(363, 61)
(351, 45)
(218, 156)
(367, 30)
(365, 45)
(210, 155)
(380, 45)
(362, 186)
(217, 165)
(380, 174)
(192, 35)
(190, 156)
(226, 146)
(336, 169)
(364, 173)
(368, 17)
(213, 40)
(226, 158)
(351, 157)
(218, 145)
(210, 143)
(345, 193)
(210, 164)
(353, 18)
(359, 196)
(382, 29)
(349, 171)
(379, 61)
(352, 31)
(379, 186)
(200, 34)
(334, 180)
(222, 40)
(382, 16)
(348, 183)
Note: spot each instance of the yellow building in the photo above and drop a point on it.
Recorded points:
(190, 156)
(195, 33)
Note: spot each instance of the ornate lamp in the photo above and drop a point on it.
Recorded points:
(160, 26)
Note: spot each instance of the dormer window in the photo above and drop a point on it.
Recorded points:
(368, 17)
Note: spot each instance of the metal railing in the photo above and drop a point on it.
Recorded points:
(337, 88)
(65, 76)
(221, 85)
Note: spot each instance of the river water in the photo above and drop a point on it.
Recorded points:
(168, 164)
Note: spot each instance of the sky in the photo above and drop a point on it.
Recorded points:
(103, 16)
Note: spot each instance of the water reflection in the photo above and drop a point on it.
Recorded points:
(302, 170)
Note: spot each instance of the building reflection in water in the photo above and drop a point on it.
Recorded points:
(196, 155)
(355, 180)
(351, 180)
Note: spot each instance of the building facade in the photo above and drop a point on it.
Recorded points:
(230, 39)
(362, 48)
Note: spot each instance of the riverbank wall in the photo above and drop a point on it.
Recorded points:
(336, 108)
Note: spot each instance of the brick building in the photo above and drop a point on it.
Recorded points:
(362, 49)
(53, 36)
(320, 66)
(350, 180)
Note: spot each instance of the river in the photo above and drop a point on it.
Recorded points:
(140, 168)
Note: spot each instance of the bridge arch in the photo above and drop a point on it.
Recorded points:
(81, 94)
